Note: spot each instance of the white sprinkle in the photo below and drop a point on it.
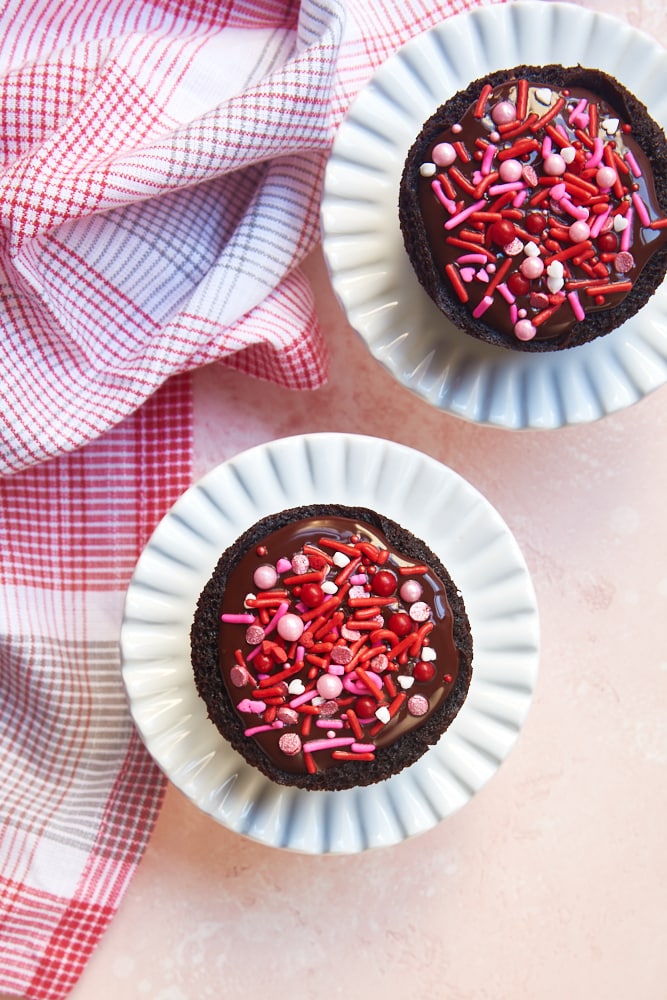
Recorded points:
(428, 653)
(405, 681)
(329, 587)
(620, 223)
(543, 95)
(610, 125)
(428, 169)
(568, 153)
(382, 713)
(340, 559)
(296, 686)
(531, 249)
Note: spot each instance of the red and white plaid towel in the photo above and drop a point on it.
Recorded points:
(160, 173)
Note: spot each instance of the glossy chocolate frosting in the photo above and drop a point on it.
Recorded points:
(620, 245)
(367, 637)
(326, 719)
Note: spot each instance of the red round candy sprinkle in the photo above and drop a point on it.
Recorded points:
(263, 662)
(517, 284)
(384, 583)
(607, 242)
(311, 594)
(400, 623)
(424, 670)
(535, 223)
(261, 551)
(365, 708)
(502, 232)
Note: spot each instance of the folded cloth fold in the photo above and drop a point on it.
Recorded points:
(160, 178)
(161, 167)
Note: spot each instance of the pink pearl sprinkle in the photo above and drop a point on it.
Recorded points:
(579, 231)
(503, 113)
(532, 267)
(443, 154)
(264, 577)
(524, 330)
(554, 164)
(606, 177)
(510, 170)
(417, 705)
(329, 686)
(290, 627)
(411, 591)
(290, 743)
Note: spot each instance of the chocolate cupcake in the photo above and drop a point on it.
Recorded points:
(533, 207)
(331, 647)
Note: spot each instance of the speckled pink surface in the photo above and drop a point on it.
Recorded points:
(548, 885)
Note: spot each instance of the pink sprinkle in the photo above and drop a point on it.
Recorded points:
(257, 729)
(337, 669)
(301, 699)
(471, 258)
(482, 306)
(254, 634)
(624, 262)
(252, 705)
(520, 198)
(576, 211)
(508, 186)
(290, 743)
(487, 159)
(417, 705)
(577, 309)
(626, 235)
(231, 619)
(420, 611)
(598, 223)
(505, 292)
(358, 580)
(283, 565)
(282, 609)
(632, 163)
(363, 747)
(239, 676)
(596, 156)
(312, 746)
(341, 654)
(514, 313)
(547, 146)
(329, 723)
(442, 197)
(641, 209)
(300, 564)
(455, 219)
(578, 115)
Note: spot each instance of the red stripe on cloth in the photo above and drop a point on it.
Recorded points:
(79, 793)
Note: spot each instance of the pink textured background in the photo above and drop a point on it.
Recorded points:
(550, 883)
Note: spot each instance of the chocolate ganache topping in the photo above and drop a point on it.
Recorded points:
(539, 205)
(333, 644)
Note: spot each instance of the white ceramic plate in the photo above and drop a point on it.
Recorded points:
(364, 250)
(427, 498)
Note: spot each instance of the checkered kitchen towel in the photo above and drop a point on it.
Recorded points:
(160, 174)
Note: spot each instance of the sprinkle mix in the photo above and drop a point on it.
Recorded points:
(336, 657)
(548, 214)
